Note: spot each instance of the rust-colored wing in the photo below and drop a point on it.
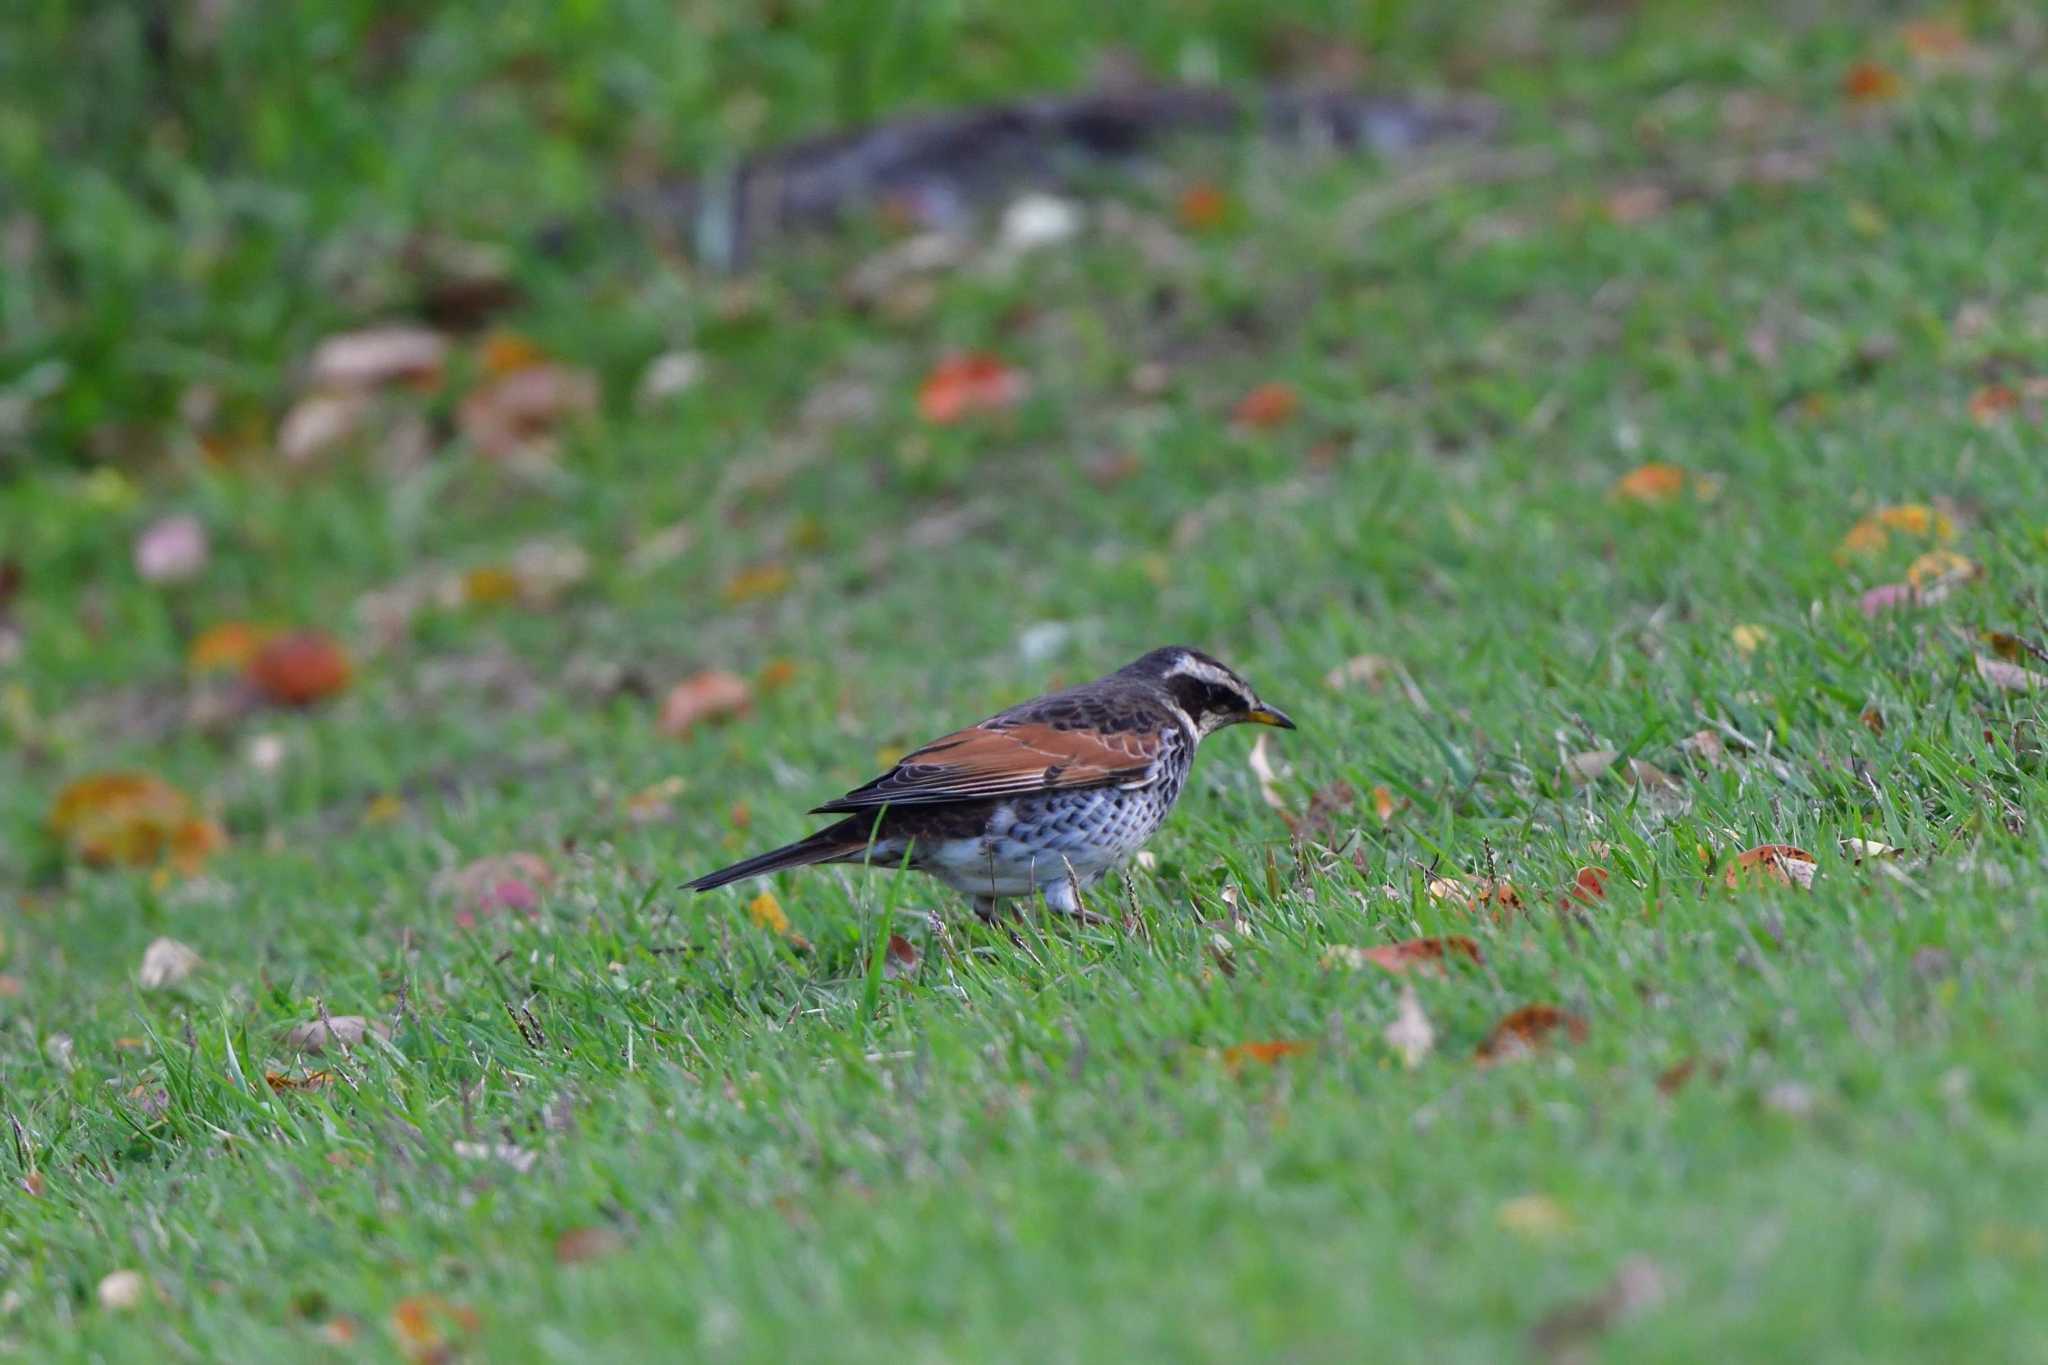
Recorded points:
(1006, 759)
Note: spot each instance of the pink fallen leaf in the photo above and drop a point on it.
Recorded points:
(499, 884)
(171, 550)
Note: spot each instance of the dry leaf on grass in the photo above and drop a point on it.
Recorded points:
(343, 1031)
(378, 357)
(1408, 1033)
(1748, 639)
(969, 385)
(711, 695)
(227, 647)
(427, 1326)
(300, 669)
(1424, 956)
(1202, 207)
(1589, 884)
(520, 1159)
(1782, 864)
(517, 416)
(1527, 1031)
(1237, 1055)
(279, 1082)
(165, 963)
(578, 1245)
(901, 959)
(1266, 407)
(2009, 677)
(1536, 1217)
(171, 550)
(1870, 83)
(1654, 482)
(1991, 404)
(133, 819)
(766, 911)
(496, 884)
(757, 581)
(1261, 762)
(122, 1290)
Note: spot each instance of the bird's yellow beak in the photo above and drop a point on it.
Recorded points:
(1269, 715)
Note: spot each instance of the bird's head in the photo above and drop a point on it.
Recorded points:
(1211, 694)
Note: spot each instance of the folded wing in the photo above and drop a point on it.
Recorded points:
(1006, 759)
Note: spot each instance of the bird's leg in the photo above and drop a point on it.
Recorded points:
(986, 908)
(1064, 896)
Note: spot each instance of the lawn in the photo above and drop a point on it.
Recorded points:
(1656, 479)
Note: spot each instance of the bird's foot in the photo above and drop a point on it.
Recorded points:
(1064, 897)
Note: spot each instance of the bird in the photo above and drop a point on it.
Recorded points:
(1043, 798)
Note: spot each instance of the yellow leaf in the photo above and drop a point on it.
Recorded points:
(383, 809)
(766, 911)
(1939, 567)
(762, 580)
(1749, 639)
(1537, 1217)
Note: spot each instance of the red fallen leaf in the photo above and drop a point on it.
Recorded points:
(1653, 482)
(1589, 885)
(1422, 955)
(902, 959)
(1784, 864)
(1870, 83)
(1237, 1054)
(967, 385)
(133, 819)
(586, 1244)
(1202, 207)
(1527, 1031)
(1267, 406)
(299, 669)
(711, 695)
(312, 1080)
(229, 646)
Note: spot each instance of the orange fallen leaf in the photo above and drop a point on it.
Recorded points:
(229, 646)
(1527, 1031)
(1267, 406)
(425, 1323)
(1237, 1054)
(1872, 720)
(711, 695)
(133, 819)
(1589, 885)
(1651, 483)
(311, 1080)
(1202, 207)
(759, 581)
(490, 585)
(1991, 403)
(968, 385)
(1383, 805)
(776, 674)
(299, 669)
(1783, 864)
(1870, 83)
(502, 353)
(1428, 956)
(1938, 570)
(1477, 893)
(766, 911)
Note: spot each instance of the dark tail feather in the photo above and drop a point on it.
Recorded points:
(834, 841)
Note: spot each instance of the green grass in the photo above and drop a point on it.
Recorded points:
(1035, 1149)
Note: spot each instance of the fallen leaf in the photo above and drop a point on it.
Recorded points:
(1872, 720)
(520, 1159)
(1035, 221)
(133, 819)
(2009, 677)
(1537, 1217)
(766, 911)
(1589, 884)
(1749, 638)
(1237, 1054)
(1408, 1033)
(165, 963)
(668, 376)
(1991, 404)
(653, 804)
(1260, 761)
(1651, 483)
(343, 1031)
(901, 960)
(1783, 864)
(1476, 894)
(378, 357)
(969, 385)
(1383, 805)
(1634, 204)
(171, 550)
(490, 585)
(516, 417)
(504, 352)
(578, 1245)
(1934, 38)
(1886, 597)
(1424, 956)
(279, 1082)
(32, 1184)
(1586, 767)
(1527, 1031)
(776, 674)
(1934, 574)
(711, 695)
(757, 581)
(1859, 849)
(1266, 407)
(1673, 1078)
(424, 1324)
(1870, 83)
(228, 647)
(122, 1290)
(319, 423)
(1202, 207)
(300, 669)
(496, 884)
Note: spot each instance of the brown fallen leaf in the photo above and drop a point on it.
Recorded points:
(165, 963)
(1782, 864)
(517, 416)
(1991, 404)
(757, 581)
(343, 1031)
(1383, 805)
(969, 385)
(1477, 893)
(2009, 677)
(300, 669)
(1424, 956)
(1870, 83)
(1266, 407)
(1202, 207)
(133, 819)
(1587, 766)
(1872, 720)
(1527, 1031)
(1238, 1054)
(901, 959)
(711, 695)
(1408, 1033)
(279, 1082)
(578, 1245)
(1672, 1079)
(1633, 204)
(503, 352)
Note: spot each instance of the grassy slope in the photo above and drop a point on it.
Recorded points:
(1033, 1149)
